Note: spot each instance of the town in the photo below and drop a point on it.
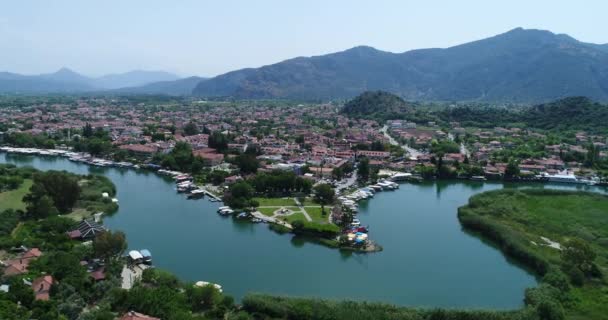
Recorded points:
(313, 140)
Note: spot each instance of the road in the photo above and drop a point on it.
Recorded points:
(345, 184)
(411, 151)
(302, 209)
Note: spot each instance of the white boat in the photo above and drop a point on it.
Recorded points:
(401, 176)
(226, 212)
(183, 177)
(196, 193)
(563, 177)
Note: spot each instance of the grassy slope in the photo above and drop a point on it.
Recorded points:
(316, 215)
(275, 202)
(90, 200)
(524, 216)
(13, 199)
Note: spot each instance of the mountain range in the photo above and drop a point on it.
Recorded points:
(521, 65)
(66, 80)
(517, 66)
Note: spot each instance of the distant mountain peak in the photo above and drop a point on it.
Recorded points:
(520, 65)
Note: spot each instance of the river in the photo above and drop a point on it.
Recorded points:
(428, 260)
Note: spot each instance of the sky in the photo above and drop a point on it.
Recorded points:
(207, 38)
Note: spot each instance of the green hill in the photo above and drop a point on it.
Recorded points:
(376, 104)
(573, 113)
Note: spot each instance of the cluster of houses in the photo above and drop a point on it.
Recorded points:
(19, 265)
(286, 137)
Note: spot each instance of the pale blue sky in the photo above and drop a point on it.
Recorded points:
(212, 37)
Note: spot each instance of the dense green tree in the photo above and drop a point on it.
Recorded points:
(203, 298)
(12, 311)
(61, 187)
(579, 254)
(20, 293)
(337, 173)
(247, 163)
(110, 244)
(87, 130)
(190, 129)
(324, 195)
(512, 170)
(363, 171)
(218, 141)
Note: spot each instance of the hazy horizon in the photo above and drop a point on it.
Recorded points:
(195, 38)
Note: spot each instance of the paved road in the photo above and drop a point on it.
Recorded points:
(345, 184)
(411, 151)
(303, 210)
(130, 274)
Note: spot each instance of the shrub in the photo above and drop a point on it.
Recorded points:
(557, 279)
(550, 310)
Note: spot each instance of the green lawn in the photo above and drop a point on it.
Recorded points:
(13, 199)
(294, 217)
(309, 202)
(275, 202)
(516, 221)
(316, 216)
(78, 214)
(267, 211)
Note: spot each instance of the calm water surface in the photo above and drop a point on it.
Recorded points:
(428, 260)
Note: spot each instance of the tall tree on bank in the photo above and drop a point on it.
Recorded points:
(57, 186)
(363, 172)
(324, 194)
(109, 245)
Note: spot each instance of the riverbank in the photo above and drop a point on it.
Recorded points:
(415, 224)
(94, 194)
(538, 228)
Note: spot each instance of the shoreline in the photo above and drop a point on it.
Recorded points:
(391, 301)
(85, 158)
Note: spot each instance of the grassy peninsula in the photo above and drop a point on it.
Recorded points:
(561, 235)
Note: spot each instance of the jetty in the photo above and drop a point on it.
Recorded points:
(211, 195)
(261, 216)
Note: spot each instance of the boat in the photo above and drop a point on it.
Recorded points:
(256, 220)
(146, 256)
(401, 176)
(226, 212)
(185, 186)
(478, 178)
(563, 177)
(183, 177)
(196, 194)
(242, 215)
(377, 187)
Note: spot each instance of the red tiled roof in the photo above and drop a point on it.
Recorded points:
(32, 253)
(132, 315)
(42, 287)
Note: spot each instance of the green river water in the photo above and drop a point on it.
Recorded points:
(428, 260)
